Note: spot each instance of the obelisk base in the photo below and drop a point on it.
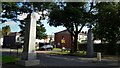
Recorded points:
(29, 62)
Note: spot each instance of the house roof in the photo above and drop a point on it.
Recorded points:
(62, 32)
(50, 35)
(13, 34)
(83, 33)
(66, 31)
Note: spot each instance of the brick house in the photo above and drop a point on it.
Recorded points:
(59, 36)
(66, 35)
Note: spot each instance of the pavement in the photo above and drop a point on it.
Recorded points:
(61, 61)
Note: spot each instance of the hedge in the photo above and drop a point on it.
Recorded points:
(103, 48)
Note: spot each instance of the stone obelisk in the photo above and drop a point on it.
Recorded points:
(0, 36)
(29, 55)
(90, 50)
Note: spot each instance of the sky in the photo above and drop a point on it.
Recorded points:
(13, 25)
(50, 30)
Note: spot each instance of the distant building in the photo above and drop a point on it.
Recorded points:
(67, 38)
(47, 40)
(97, 41)
(12, 39)
(82, 38)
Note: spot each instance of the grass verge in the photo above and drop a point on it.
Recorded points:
(79, 53)
(9, 59)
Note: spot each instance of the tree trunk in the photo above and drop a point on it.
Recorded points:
(74, 39)
(72, 45)
(75, 42)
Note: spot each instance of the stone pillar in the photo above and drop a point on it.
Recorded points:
(90, 50)
(29, 55)
(0, 36)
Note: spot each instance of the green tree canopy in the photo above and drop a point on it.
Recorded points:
(6, 30)
(72, 15)
(40, 32)
(11, 10)
(107, 26)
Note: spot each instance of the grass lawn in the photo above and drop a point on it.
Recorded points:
(58, 53)
(56, 49)
(9, 59)
(78, 53)
(67, 53)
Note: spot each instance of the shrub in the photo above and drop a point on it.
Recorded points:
(103, 48)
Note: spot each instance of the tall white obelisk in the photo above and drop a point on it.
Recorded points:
(29, 54)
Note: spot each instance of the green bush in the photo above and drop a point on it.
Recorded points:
(103, 48)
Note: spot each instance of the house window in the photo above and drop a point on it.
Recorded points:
(18, 39)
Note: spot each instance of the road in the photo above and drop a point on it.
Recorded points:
(59, 61)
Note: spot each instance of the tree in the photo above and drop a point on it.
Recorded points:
(72, 15)
(6, 30)
(12, 10)
(107, 27)
(40, 32)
